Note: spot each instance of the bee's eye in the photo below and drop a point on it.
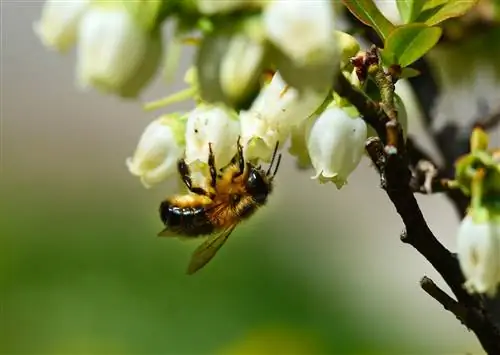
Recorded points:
(257, 186)
(235, 198)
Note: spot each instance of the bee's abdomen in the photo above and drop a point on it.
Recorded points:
(187, 221)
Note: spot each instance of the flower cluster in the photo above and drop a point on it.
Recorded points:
(263, 75)
(323, 133)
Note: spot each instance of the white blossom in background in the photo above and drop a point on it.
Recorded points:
(58, 26)
(270, 119)
(467, 99)
(115, 54)
(302, 29)
(336, 144)
(160, 147)
(389, 8)
(211, 124)
(478, 248)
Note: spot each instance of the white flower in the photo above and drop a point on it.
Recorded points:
(478, 248)
(270, 119)
(241, 66)
(115, 54)
(336, 145)
(302, 29)
(211, 124)
(58, 25)
(160, 147)
(468, 98)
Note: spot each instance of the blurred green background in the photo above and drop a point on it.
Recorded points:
(318, 271)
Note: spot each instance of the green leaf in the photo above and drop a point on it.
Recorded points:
(436, 11)
(367, 12)
(409, 73)
(408, 43)
(409, 9)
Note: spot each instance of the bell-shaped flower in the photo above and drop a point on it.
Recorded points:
(213, 124)
(298, 143)
(160, 147)
(336, 144)
(478, 249)
(303, 30)
(58, 26)
(241, 67)
(270, 119)
(115, 54)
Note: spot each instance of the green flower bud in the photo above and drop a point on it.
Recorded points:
(348, 45)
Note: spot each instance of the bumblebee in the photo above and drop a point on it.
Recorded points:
(233, 195)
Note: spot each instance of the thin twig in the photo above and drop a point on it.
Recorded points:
(446, 301)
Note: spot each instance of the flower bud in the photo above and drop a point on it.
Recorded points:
(348, 45)
(277, 109)
(115, 54)
(302, 30)
(241, 67)
(211, 124)
(229, 63)
(478, 248)
(58, 26)
(336, 145)
(160, 147)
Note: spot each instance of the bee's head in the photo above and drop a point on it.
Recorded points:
(259, 182)
(258, 185)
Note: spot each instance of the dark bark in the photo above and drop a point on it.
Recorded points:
(396, 179)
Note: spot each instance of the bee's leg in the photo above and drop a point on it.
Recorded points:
(211, 165)
(183, 169)
(238, 159)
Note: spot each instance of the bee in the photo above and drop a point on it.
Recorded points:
(232, 196)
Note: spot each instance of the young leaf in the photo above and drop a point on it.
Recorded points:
(407, 73)
(436, 11)
(409, 9)
(367, 12)
(408, 43)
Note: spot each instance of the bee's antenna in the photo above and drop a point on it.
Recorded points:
(277, 166)
(272, 158)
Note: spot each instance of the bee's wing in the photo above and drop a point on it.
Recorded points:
(206, 251)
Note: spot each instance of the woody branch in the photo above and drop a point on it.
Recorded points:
(390, 155)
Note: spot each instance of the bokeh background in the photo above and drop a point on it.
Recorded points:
(318, 271)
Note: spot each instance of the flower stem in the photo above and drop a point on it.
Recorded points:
(171, 99)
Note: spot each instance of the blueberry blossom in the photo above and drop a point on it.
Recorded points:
(276, 110)
(215, 124)
(115, 54)
(159, 148)
(303, 30)
(478, 248)
(58, 26)
(335, 145)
